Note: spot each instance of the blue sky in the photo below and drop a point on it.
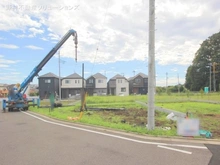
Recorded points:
(113, 37)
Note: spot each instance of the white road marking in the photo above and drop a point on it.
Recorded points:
(174, 149)
(115, 136)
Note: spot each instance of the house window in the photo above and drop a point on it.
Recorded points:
(123, 89)
(120, 81)
(90, 81)
(137, 80)
(47, 81)
(77, 81)
(100, 81)
(67, 81)
(145, 80)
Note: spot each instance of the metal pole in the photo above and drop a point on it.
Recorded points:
(178, 84)
(210, 77)
(83, 76)
(59, 79)
(166, 81)
(214, 88)
(82, 90)
(151, 66)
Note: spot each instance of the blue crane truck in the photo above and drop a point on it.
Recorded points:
(16, 97)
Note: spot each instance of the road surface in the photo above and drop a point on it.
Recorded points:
(29, 139)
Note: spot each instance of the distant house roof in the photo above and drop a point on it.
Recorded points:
(10, 86)
(130, 78)
(117, 76)
(98, 75)
(139, 74)
(3, 85)
(73, 76)
(49, 75)
(143, 75)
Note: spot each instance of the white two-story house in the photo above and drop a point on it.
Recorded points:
(118, 85)
(71, 85)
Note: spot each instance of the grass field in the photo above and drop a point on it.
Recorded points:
(134, 116)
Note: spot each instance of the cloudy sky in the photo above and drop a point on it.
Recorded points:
(112, 36)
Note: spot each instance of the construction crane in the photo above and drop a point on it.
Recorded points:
(16, 97)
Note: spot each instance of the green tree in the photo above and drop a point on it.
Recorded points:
(198, 74)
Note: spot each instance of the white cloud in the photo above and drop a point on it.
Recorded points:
(14, 18)
(53, 36)
(5, 63)
(23, 35)
(33, 47)
(32, 32)
(15, 73)
(36, 31)
(44, 39)
(9, 46)
(110, 31)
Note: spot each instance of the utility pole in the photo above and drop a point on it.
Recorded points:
(151, 66)
(214, 88)
(82, 91)
(166, 81)
(178, 83)
(59, 79)
(210, 77)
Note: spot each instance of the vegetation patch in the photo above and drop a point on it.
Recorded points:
(133, 116)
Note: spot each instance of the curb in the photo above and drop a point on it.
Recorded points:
(145, 137)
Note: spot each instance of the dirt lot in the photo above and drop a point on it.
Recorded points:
(138, 117)
(211, 122)
(135, 117)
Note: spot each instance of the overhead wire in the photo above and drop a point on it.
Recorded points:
(99, 38)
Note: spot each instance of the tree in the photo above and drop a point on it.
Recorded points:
(198, 74)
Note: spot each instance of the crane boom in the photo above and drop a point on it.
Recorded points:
(16, 99)
(38, 68)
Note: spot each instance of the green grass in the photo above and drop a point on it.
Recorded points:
(178, 102)
(94, 118)
(114, 99)
(193, 107)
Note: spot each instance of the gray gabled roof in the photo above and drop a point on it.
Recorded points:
(143, 75)
(130, 78)
(117, 76)
(97, 75)
(49, 75)
(139, 74)
(73, 76)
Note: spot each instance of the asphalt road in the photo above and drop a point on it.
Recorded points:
(29, 140)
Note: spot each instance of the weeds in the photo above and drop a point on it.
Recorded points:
(134, 117)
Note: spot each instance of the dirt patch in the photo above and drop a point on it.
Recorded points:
(210, 122)
(130, 116)
(209, 114)
(135, 117)
(138, 117)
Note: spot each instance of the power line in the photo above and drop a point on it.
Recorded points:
(97, 48)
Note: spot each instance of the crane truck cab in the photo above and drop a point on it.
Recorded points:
(16, 97)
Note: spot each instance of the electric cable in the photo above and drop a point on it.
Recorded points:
(99, 39)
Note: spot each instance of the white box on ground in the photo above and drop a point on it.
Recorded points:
(188, 127)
